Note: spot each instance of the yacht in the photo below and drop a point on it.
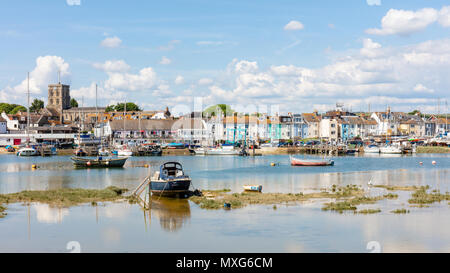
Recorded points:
(391, 149)
(373, 149)
(27, 151)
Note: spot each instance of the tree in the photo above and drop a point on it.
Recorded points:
(36, 105)
(73, 103)
(414, 112)
(130, 107)
(18, 108)
(109, 108)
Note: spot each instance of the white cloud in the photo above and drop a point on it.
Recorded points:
(45, 72)
(165, 60)
(370, 48)
(111, 42)
(112, 66)
(373, 2)
(294, 25)
(444, 16)
(179, 80)
(88, 93)
(405, 22)
(144, 80)
(374, 75)
(205, 81)
(207, 43)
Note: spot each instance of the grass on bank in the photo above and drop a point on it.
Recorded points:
(64, 197)
(422, 197)
(432, 150)
(400, 211)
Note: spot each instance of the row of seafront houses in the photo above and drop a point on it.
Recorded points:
(334, 126)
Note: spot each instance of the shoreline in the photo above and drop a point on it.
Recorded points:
(263, 151)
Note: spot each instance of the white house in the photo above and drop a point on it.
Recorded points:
(3, 126)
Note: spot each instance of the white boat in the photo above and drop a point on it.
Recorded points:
(223, 150)
(373, 149)
(124, 151)
(390, 149)
(27, 151)
(103, 152)
(257, 188)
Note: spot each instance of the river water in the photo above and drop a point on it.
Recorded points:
(181, 226)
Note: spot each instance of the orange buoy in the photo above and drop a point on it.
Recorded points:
(88, 163)
(421, 163)
(434, 162)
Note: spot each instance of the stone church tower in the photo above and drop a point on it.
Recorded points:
(59, 97)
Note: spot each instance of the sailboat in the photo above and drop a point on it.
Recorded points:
(390, 148)
(28, 150)
(124, 150)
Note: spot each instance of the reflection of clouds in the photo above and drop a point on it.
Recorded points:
(49, 215)
(294, 248)
(110, 235)
(116, 210)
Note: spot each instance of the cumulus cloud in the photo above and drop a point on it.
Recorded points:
(144, 80)
(112, 66)
(111, 42)
(45, 72)
(405, 22)
(294, 25)
(73, 2)
(165, 60)
(373, 75)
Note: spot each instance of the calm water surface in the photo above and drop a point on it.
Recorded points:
(181, 226)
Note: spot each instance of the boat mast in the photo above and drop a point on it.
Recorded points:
(124, 117)
(28, 108)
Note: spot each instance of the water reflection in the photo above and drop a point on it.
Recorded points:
(172, 213)
(49, 215)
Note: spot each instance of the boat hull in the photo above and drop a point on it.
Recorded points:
(372, 150)
(311, 163)
(98, 162)
(170, 188)
(390, 150)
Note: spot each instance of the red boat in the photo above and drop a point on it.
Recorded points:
(310, 162)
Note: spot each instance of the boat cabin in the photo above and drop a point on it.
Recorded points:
(170, 170)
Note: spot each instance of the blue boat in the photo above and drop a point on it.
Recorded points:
(170, 181)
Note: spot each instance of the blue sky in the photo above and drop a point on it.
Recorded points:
(236, 52)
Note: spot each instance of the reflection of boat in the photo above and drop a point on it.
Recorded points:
(223, 150)
(372, 149)
(310, 162)
(27, 151)
(257, 188)
(170, 181)
(390, 149)
(172, 213)
(98, 162)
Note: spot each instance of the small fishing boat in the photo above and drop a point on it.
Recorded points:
(99, 162)
(257, 188)
(223, 150)
(372, 149)
(103, 151)
(170, 181)
(310, 162)
(27, 151)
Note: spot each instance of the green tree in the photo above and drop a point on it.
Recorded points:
(6, 107)
(414, 112)
(130, 107)
(36, 105)
(73, 103)
(18, 108)
(109, 108)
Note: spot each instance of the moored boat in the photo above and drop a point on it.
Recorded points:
(257, 188)
(372, 149)
(80, 152)
(390, 149)
(223, 150)
(310, 162)
(124, 151)
(27, 151)
(99, 162)
(170, 181)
